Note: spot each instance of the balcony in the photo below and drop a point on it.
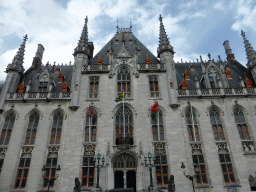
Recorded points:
(38, 96)
(151, 67)
(96, 68)
(124, 141)
(216, 92)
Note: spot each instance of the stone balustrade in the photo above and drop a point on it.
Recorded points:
(215, 92)
(151, 67)
(38, 96)
(95, 68)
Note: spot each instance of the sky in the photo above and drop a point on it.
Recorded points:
(194, 27)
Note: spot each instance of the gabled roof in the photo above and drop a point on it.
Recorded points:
(144, 52)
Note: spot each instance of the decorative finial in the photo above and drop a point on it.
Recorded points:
(117, 23)
(242, 33)
(160, 18)
(209, 56)
(25, 37)
(197, 60)
(201, 59)
(130, 23)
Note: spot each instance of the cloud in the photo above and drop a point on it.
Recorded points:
(246, 16)
(219, 6)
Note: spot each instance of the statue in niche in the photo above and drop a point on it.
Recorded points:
(77, 187)
(171, 185)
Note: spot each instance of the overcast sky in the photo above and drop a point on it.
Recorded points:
(194, 28)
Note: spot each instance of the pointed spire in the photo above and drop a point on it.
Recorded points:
(17, 62)
(164, 44)
(82, 46)
(251, 55)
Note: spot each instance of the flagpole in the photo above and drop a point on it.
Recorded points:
(123, 117)
(158, 125)
(193, 126)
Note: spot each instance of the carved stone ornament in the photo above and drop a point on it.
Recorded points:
(3, 151)
(53, 151)
(123, 52)
(26, 151)
(222, 146)
(196, 147)
(159, 149)
(248, 146)
(89, 149)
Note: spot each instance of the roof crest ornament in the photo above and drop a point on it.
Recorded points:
(250, 53)
(209, 55)
(124, 30)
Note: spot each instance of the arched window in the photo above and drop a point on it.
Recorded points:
(32, 129)
(217, 125)
(153, 86)
(212, 76)
(124, 160)
(7, 129)
(192, 126)
(124, 137)
(157, 126)
(124, 82)
(91, 126)
(56, 128)
(241, 124)
(94, 86)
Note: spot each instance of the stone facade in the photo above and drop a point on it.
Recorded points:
(95, 82)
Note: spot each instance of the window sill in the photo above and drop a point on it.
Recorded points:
(53, 145)
(158, 141)
(222, 141)
(45, 190)
(85, 143)
(250, 153)
(92, 99)
(203, 186)
(154, 98)
(231, 185)
(4, 146)
(193, 142)
(17, 190)
(27, 145)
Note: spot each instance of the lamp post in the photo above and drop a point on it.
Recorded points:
(99, 166)
(190, 177)
(47, 180)
(150, 165)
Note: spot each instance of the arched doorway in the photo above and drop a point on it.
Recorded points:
(125, 165)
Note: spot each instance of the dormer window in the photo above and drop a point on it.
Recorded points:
(61, 77)
(212, 77)
(57, 70)
(43, 86)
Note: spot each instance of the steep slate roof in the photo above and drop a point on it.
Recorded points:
(236, 71)
(130, 46)
(33, 76)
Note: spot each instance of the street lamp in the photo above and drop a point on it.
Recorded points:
(150, 165)
(190, 177)
(99, 166)
(47, 180)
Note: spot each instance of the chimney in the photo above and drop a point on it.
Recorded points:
(38, 57)
(230, 55)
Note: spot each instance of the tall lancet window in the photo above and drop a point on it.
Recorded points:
(7, 129)
(124, 81)
(32, 129)
(216, 125)
(157, 126)
(241, 124)
(56, 128)
(192, 125)
(124, 136)
(212, 77)
(91, 126)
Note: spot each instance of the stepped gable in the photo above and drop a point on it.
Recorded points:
(129, 46)
(66, 70)
(237, 71)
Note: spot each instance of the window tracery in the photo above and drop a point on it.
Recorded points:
(56, 128)
(153, 86)
(7, 129)
(32, 129)
(241, 124)
(157, 126)
(91, 126)
(124, 81)
(192, 126)
(217, 125)
(213, 77)
(124, 136)
(124, 160)
(94, 87)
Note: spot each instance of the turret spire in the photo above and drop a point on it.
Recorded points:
(251, 55)
(17, 62)
(164, 44)
(82, 46)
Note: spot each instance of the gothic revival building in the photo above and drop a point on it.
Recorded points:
(205, 119)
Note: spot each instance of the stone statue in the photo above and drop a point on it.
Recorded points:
(171, 185)
(77, 187)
